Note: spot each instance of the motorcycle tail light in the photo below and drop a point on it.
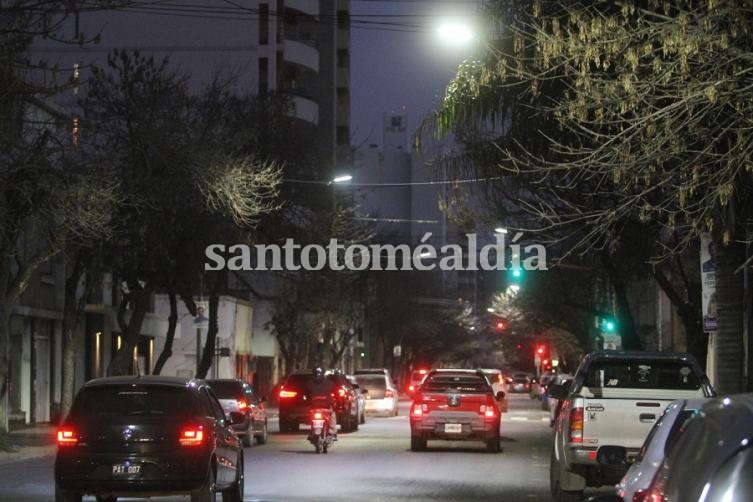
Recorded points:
(318, 415)
(242, 404)
(67, 436)
(192, 435)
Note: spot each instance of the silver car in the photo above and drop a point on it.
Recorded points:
(654, 449)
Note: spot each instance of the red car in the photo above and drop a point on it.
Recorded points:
(455, 404)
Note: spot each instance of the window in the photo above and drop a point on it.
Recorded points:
(669, 375)
(263, 24)
(455, 383)
(132, 400)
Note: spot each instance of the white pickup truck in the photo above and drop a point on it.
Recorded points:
(615, 398)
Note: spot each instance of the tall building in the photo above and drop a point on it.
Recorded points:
(297, 47)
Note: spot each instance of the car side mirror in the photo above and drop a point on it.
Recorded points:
(236, 418)
(611, 455)
(500, 395)
(556, 391)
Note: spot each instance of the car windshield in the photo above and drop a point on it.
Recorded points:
(132, 400)
(648, 374)
(372, 381)
(226, 389)
(456, 383)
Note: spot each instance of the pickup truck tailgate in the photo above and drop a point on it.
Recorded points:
(623, 416)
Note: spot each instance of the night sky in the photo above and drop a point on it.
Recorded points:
(399, 63)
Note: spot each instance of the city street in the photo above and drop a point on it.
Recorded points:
(373, 464)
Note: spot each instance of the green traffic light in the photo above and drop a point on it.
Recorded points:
(517, 274)
(608, 325)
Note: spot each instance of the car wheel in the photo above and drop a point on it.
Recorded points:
(417, 442)
(262, 438)
(248, 438)
(62, 495)
(235, 492)
(208, 492)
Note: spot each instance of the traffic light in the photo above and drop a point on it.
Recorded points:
(540, 350)
(500, 324)
(608, 325)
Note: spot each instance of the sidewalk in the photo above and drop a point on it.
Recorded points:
(29, 442)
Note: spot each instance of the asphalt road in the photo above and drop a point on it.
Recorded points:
(374, 464)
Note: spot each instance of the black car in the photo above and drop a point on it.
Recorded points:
(236, 395)
(148, 436)
(294, 402)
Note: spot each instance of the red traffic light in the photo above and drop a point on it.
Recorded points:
(500, 324)
(540, 350)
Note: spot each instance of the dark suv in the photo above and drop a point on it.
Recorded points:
(455, 404)
(236, 395)
(294, 403)
(148, 436)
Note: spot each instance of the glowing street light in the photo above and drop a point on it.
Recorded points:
(342, 179)
(455, 33)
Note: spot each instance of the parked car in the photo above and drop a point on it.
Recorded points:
(710, 461)
(237, 395)
(360, 399)
(655, 447)
(414, 382)
(382, 395)
(521, 383)
(294, 403)
(455, 404)
(615, 399)
(499, 383)
(148, 436)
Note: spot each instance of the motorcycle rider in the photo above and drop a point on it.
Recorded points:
(321, 392)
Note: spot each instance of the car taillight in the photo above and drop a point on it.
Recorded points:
(411, 388)
(488, 411)
(649, 495)
(242, 404)
(419, 409)
(576, 425)
(67, 436)
(388, 393)
(287, 394)
(342, 392)
(192, 435)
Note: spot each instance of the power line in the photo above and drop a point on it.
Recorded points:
(390, 185)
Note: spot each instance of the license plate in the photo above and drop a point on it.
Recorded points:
(318, 423)
(453, 428)
(126, 469)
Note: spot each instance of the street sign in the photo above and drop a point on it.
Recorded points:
(397, 350)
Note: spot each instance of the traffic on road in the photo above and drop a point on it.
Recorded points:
(618, 436)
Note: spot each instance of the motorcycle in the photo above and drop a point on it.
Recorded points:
(320, 436)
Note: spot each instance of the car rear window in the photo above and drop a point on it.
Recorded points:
(125, 400)
(227, 389)
(372, 381)
(456, 383)
(669, 375)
